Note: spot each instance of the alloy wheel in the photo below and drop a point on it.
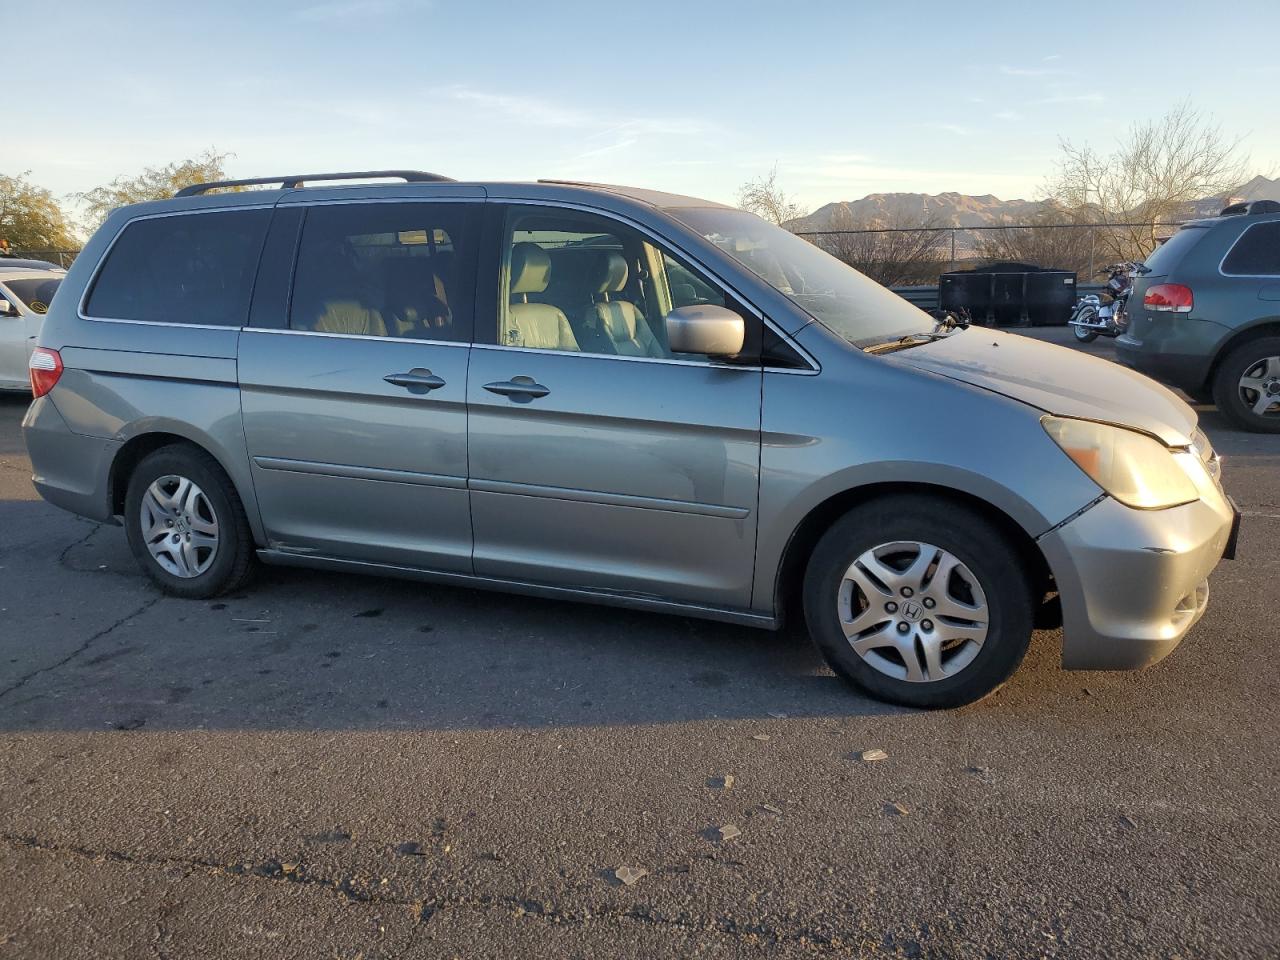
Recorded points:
(913, 611)
(1260, 387)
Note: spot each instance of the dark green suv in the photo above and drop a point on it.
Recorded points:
(1205, 314)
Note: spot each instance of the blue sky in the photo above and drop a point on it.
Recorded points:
(847, 98)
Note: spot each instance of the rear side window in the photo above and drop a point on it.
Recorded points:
(1166, 256)
(386, 270)
(1256, 253)
(188, 268)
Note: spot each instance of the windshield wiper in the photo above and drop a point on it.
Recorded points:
(902, 343)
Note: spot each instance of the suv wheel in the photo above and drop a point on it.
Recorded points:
(186, 525)
(1247, 385)
(918, 603)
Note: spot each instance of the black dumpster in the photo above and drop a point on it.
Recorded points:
(1010, 294)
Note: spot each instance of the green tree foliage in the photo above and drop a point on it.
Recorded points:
(154, 183)
(30, 219)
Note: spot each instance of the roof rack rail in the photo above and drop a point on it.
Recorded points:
(1250, 208)
(301, 179)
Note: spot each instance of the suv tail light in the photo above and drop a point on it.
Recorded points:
(45, 369)
(1169, 298)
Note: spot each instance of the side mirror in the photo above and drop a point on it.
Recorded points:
(705, 329)
(7, 309)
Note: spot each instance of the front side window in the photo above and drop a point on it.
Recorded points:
(187, 268)
(36, 292)
(385, 270)
(1256, 253)
(584, 283)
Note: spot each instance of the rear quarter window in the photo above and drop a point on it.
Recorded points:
(193, 268)
(1166, 256)
(1256, 253)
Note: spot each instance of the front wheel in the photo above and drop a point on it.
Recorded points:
(185, 523)
(918, 603)
(1246, 386)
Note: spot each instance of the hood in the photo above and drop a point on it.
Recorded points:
(1057, 380)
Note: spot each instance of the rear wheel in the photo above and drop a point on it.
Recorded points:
(1083, 334)
(1246, 386)
(918, 602)
(186, 525)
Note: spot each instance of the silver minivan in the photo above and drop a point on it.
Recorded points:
(620, 396)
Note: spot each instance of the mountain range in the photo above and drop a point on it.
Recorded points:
(962, 210)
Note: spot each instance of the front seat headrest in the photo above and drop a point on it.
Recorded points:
(608, 273)
(530, 268)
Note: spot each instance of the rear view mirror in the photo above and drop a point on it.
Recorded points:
(705, 329)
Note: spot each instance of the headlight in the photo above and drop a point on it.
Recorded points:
(1136, 469)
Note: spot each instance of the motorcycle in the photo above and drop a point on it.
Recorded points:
(1093, 318)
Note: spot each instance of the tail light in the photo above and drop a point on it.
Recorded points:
(45, 369)
(1169, 298)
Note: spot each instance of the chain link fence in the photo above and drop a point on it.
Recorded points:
(915, 256)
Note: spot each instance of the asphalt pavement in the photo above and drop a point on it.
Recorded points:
(341, 766)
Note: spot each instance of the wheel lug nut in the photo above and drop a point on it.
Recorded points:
(904, 627)
(891, 607)
(926, 625)
(907, 591)
(929, 603)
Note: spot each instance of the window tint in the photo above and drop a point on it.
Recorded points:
(37, 293)
(386, 270)
(187, 268)
(583, 283)
(1166, 256)
(1256, 253)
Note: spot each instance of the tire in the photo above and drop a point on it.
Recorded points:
(1246, 379)
(1083, 335)
(970, 667)
(193, 498)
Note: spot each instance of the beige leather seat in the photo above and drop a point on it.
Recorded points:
(340, 300)
(540, 325)
(625, 328)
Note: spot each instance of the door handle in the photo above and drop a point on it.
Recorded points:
(519, 389)
(417, 380)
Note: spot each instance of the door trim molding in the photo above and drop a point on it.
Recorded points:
(609, 499)
(350, 472)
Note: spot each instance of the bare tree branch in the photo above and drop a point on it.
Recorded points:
(1154, 175)
(767, 200)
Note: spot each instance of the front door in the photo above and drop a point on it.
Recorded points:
(354, 385)
(600, 459)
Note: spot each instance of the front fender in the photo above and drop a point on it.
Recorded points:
(861, 423)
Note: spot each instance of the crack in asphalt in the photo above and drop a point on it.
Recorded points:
(62, 557)
(78, 651)
(424, 908)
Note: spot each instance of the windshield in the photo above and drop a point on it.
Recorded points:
(35, 292)
(843, 300)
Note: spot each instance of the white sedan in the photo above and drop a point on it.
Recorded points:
(26, 288)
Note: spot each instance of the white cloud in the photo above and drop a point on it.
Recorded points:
(1009, 116)
(537, 111)
(1072, 98)
(1009, 71)
(351, 9)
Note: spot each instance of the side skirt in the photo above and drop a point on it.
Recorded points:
(280, 558)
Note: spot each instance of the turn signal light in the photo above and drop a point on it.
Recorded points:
(45, 369)
(1169, 298)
